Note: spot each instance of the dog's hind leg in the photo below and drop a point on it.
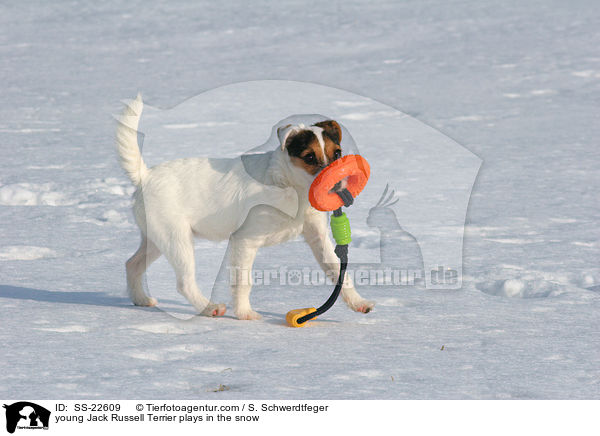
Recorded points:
(179, 251)
(135, 267)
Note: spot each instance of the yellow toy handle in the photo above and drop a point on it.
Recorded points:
(293, 316)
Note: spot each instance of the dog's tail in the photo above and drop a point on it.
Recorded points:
(130, 157)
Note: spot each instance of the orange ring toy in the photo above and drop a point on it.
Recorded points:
(353, 167)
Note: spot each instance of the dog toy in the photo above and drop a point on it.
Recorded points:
(327, 194)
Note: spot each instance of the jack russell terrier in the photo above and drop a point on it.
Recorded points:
(178, 200)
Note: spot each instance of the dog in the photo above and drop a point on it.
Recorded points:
(179, 200)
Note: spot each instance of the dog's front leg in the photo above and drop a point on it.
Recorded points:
(242, 255)
(316, 235)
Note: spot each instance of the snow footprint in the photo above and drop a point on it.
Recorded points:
(26, 252)
(32, 194)
(521, 288)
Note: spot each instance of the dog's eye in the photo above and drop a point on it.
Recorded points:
(310, 158)
(337, 154)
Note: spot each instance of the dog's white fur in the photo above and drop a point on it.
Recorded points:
(178, 200)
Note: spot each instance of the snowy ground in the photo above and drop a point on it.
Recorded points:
(517, 84)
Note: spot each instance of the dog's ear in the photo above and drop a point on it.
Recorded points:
(286, 132)
(332, 129)
(282, 133)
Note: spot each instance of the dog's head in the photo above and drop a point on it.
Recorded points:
(311, 148)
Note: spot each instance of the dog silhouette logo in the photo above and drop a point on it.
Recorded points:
(25, 415)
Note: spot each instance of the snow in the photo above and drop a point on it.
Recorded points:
(25, 252)
(516, 84)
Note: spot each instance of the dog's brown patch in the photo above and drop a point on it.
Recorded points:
(305, 149)
(332, 129)
(333, 151)
(332, 136)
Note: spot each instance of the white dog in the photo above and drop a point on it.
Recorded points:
(207, 198)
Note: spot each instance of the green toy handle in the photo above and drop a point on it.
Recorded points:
(340, 228)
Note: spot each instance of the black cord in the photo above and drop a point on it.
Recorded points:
(342, 253)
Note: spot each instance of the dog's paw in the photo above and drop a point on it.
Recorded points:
(214, 310)
(146, 302)
(248, 314)
(363, 306)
